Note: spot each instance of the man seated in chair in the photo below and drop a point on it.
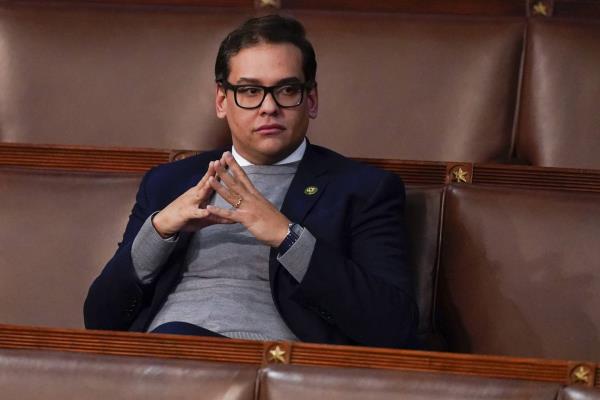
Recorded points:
(273, 239)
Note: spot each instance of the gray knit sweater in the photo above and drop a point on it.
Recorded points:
(225, 283)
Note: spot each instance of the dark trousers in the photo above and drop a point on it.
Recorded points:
(184, 328)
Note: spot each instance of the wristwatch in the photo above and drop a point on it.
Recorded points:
(293, 233)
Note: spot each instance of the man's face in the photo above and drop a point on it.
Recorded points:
(268, 133)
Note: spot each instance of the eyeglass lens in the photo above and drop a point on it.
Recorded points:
(253, 96)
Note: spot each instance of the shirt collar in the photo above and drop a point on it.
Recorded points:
(295, 156)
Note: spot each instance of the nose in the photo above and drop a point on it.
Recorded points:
(269, 106)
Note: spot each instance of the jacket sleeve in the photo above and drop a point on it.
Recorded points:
(117, 295)
(363, 283)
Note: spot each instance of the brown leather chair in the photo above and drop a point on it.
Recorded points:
(415, 87)
(111, 75)
(391, 86)
(519, 272)
(299, 383)
(58, 231)
(29, 375)
(559, 119)
(579, 393)
(61, 228)
(423, 204)
(39, 374)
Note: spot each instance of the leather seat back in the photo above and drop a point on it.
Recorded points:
(299, 383)
(111, 75)
(559, 119)
(423, 205)
(415, 87)
(58, 231)
(391, 86)
(579, 393)
(519, 272)
(36, 374)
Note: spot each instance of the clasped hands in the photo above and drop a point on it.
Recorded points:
(191, 211)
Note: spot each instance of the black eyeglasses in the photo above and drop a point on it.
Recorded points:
(286, 95)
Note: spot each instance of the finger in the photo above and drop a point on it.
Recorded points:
(213, 219)
(226, 193)
(210, 171)
(230, 215)
(200, 194)
(208, 218)
(204, 195)
(237, 171)
(231, 182)
(198, 213)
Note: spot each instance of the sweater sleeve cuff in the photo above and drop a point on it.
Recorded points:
(297, 258)
(150, 251)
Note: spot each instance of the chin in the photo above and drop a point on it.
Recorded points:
(274, 146)
(273, 154)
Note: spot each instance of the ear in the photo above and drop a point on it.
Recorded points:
(221, 102)
(312, 100)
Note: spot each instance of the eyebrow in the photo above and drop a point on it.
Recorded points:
(252, 81)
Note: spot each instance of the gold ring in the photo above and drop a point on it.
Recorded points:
(239, 202)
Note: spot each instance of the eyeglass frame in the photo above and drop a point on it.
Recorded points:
(266, 90)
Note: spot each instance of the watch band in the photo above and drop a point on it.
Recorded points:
(293, 234)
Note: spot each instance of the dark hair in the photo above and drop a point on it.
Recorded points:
(270, 29)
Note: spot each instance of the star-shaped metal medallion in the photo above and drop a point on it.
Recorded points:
(581, 374)
(460, 175)
(277, 355)
(540, 8)
(270, 3)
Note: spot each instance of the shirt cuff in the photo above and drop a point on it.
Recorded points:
(297, 258)
(150, 251)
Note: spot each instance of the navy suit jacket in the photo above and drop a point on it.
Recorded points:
(358, 288)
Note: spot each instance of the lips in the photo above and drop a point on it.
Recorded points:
(270, 129)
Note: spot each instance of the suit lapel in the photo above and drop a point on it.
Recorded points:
(311, 173)
(307, 186)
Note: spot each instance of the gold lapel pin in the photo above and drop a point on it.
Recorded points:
(310, 190)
